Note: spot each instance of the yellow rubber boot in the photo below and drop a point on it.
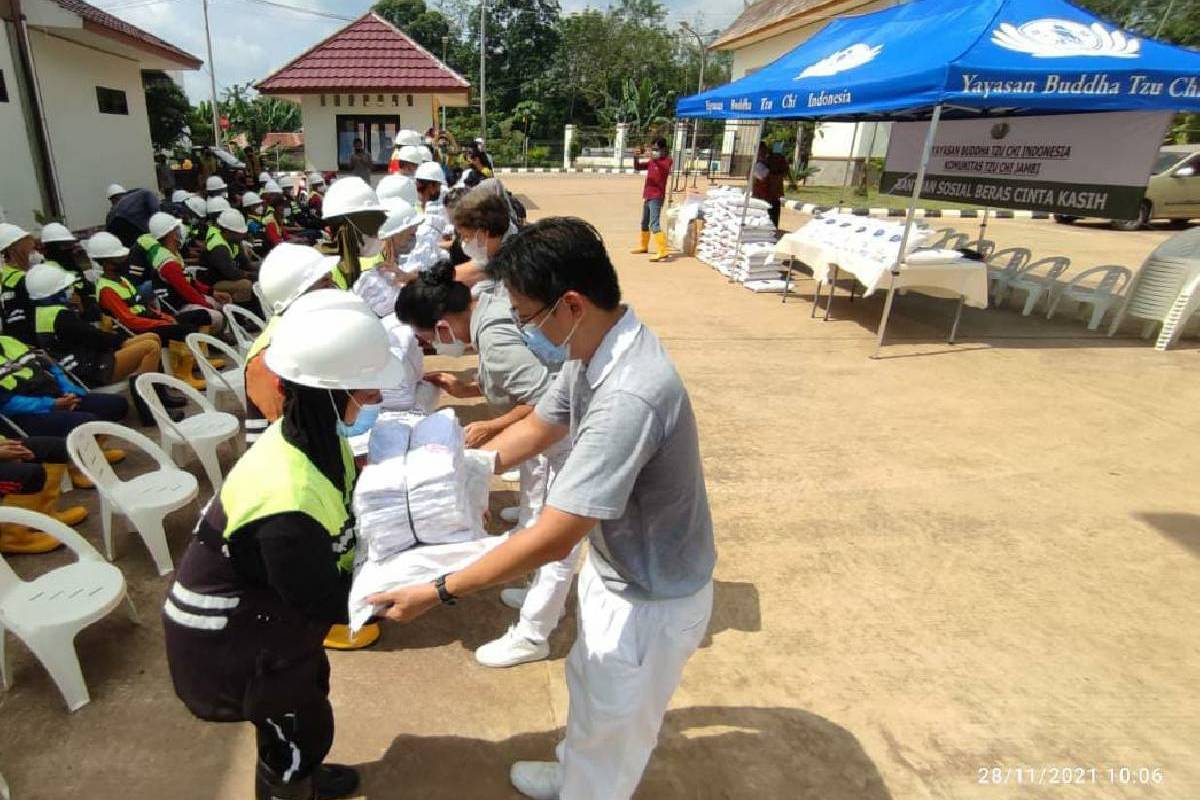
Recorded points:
(217, 362)
(79, 480)
(644, 247)
(114, 455)
(660, 244)
(339, 637)
(182, 364)
(19, 540)
(46, 501)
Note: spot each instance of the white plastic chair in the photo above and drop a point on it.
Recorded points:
(144, 500)
(1035, 284)
(1154, 291)
(47, 612)
(231, 380)
(1003, 266)
(237, 317)
(202, 432)
(268, 312)
(1101, 297)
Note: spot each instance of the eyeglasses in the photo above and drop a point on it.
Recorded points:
(544, 313)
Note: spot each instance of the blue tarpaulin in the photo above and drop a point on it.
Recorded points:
(982, 58)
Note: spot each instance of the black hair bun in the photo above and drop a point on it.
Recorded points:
(440, 274)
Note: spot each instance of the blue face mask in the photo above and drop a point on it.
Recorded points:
(549, 353)
(367, 415)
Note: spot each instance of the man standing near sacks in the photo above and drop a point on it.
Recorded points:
(633, 484)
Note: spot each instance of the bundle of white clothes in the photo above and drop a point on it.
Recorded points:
(379, 287)
(411, 393)
(730, 226)
(427, 249)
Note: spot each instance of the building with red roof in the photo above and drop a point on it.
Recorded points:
(368, 80)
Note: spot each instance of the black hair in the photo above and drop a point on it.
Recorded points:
(310, 425)
(425, 301)
(660, 143)
(65, 254)
(557, 255)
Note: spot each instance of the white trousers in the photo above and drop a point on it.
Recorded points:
(546, 600)
(626, 663)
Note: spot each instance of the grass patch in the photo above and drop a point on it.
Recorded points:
(828, 196)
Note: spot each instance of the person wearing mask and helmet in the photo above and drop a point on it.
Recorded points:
(174, 285)
(61, 248)
(96, 357)
(383, 276)
(252, 209)
(226, 267)
(429, 248)
(658, 171)
(275, 210)
(18, 251)
(408, 159)
(118, 297)
(513, 379)
(215, 186)
(268, 569)
(195, 218)
(353, 214)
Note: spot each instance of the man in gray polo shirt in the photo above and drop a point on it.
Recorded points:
(633, 484)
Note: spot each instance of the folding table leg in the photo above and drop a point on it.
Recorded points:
(816, 302)
(832, 287)
(787, 278)
(957, 317)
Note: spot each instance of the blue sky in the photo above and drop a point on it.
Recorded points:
(251, 39)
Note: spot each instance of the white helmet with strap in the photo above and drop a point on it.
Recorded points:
(46, 280)
(289, 271)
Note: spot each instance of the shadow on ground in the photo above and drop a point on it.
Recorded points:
(703, 752)
(1183, 529)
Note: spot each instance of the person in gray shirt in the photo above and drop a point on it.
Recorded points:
(633, 485)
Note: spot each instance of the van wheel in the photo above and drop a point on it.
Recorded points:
(1179, 223)
(1136, 224)
(1064, 219)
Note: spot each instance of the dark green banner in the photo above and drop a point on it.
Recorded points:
(1076, 199)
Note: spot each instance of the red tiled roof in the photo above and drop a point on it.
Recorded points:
(106, 24)
(369, 54)
(288, 141)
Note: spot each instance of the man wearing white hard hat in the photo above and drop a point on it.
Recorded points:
(17, 250)
(408, 158)
(61, 249)
(277, 545)
(398, 187)
(192, 301)
(352, 211)
(252, 208)
(113, 193)
(263, 177)
(428, 249)
(275, 211)
(214, 186)
(179, 196)
(225, 267)
(315, 193)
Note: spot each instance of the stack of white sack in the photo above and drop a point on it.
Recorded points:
(426, 562)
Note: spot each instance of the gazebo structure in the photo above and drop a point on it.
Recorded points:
(367, 81)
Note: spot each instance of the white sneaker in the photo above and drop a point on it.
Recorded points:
(510, 650)
(510, 514)
(513, 598)
(512, 476)
(540, 780)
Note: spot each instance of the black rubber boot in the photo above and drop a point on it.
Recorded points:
(139, 405)
(336, 780)
(268, 786)
(170, 398)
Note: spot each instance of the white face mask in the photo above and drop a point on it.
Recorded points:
(36, 258)
(453, 348)
(476, 252)
(371, 247)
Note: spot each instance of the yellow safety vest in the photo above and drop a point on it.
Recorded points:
(44, 319)
(216, 239)
(11, 277)
(274, 477)
(264, 338)
(339, 277)
(370, 262)
(17, 365)
(124, 290)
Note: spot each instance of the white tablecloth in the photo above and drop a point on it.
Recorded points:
(963, 278)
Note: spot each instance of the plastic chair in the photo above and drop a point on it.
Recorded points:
(1101, 297)
(202, 432)
(144, 500)
(1036, 284)
(237, 317)
(1003, 266)
(231, 380)
(47, 612)
(267, 310)
(1154, 291)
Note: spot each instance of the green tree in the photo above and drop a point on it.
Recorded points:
(256, 115)
(200, 124)
(425, 26)
(166, 106)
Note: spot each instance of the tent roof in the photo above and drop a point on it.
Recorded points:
(983, 58)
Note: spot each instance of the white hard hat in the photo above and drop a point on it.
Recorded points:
(180, 196)
(411, 153)
(113, 190)
(197, 205)
(251, 199)
(285, 182)
(426, 153)
(215, 183)
(316, 179)
(215, 205)
(10, 234)
(289, 271)
(56, 232)
(45, 280)
(163, 223)
(272, 188)
(232, 220)
(347, 196)
(397, 187)
(105, 245)
(431, 171)
(401, 215)
(408, 138)
(264, 176)
(330, 339)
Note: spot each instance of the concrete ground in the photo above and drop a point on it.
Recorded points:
(945, 561)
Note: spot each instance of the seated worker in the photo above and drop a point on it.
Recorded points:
(31, 477)
(94, 356)
(316, 193)
(274, 210)
(61, 249)
(173, 285)
(215, 186)
(380, 282)
(39, 397)
(195, 217)
(119, 299)
(482, 221)
(226, 267)
(513, 379)
(17, 250)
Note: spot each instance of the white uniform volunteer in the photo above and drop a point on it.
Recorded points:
(633, 484)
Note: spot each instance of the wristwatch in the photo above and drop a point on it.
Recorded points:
(444, 593)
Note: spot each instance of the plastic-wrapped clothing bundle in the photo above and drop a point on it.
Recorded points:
(724, 227)
(405, 347)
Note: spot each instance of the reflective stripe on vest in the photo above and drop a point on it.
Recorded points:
(18, 363)
(44, 318)
(124, 290)
(274, 477)
(216, 239)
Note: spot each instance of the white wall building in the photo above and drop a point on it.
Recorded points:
(72, 111)
(368, 81)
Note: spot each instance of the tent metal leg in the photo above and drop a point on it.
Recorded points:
(957, 317)
(787, 278)
(887, 314)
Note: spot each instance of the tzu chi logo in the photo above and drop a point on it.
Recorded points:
(853, 56)
(1061, 38)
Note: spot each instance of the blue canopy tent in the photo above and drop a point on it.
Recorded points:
(935, 59)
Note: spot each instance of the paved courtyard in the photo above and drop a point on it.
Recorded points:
(936, 563)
